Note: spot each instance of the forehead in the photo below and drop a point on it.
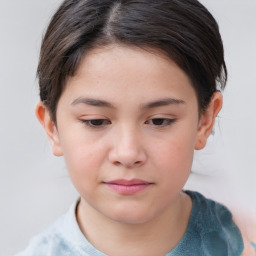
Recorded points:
(132, 72)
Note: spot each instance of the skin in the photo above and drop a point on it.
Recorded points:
(147, 127)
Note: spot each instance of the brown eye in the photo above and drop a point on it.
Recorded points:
(160, 121)
(96, 122)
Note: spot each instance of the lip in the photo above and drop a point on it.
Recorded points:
(128, 187)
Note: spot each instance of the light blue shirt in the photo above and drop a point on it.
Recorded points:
(210, 232)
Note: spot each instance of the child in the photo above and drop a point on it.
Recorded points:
(128, 90)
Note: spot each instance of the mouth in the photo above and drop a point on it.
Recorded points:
(128, 187)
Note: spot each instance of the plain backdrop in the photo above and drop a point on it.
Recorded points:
(34, 186)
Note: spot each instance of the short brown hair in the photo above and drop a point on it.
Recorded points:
(184, 30)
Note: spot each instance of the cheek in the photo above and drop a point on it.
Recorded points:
(175, 158)
(177, 148)
(83, 160)
(80, 149)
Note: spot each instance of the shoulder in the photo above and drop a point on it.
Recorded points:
(213, 223)
(207, 212)
(49, 242)
(53, 240)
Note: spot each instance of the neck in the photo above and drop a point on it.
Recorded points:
(155, 237)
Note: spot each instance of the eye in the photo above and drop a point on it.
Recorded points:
(160, 121)
(97, 123)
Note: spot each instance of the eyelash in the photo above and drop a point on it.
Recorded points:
(164, 121)
(99, 123)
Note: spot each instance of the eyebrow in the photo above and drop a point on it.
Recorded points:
(92, 102)
(103, 103)
(163, 102)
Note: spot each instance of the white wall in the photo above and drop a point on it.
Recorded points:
(34, 186)
(230, 158)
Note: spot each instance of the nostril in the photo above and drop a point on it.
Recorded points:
(127, 164)
(117, 163)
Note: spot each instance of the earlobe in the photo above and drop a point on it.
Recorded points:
(50, 128)
(207, 120)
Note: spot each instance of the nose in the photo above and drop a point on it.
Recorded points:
(127, 149)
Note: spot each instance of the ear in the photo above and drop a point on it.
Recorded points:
(207, 120)
(44, 117)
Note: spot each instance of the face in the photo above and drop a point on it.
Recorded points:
(127, 125)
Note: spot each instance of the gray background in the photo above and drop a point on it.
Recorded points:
(34, 185)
